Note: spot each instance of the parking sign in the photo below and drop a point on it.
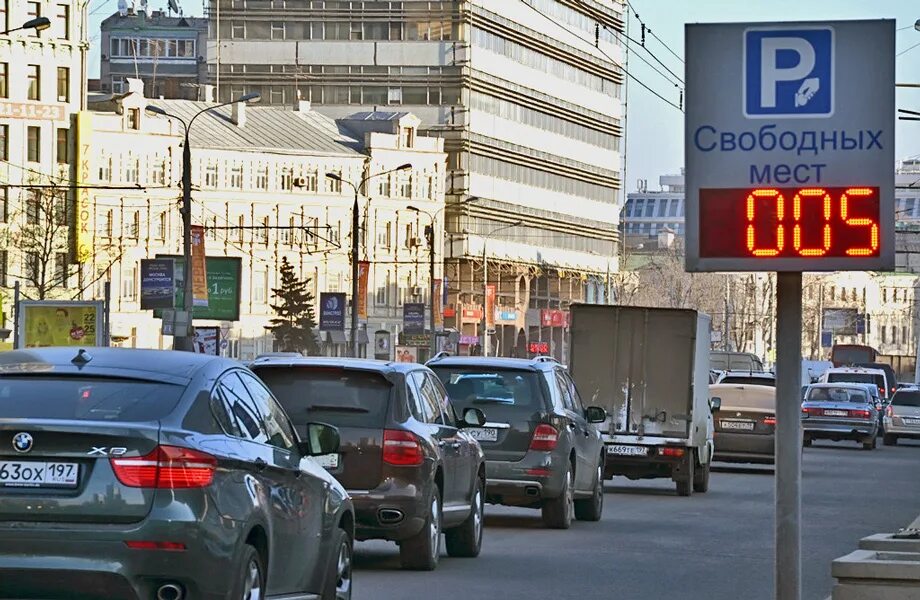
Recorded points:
(788, 72)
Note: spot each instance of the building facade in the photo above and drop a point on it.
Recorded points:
(167, 53)
(261, 192)
(528, 96)
(647, 213)
(42, 85)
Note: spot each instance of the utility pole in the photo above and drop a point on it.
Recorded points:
(485, 303)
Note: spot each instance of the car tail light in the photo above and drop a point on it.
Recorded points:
(146, 545)
(860, 414)
(545, 438)
(166, 467)
(812, 411)
(402, 448)
(769, 421)
(671, 451)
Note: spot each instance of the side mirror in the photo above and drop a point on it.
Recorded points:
(321, 439)
(715, 404)
(595, 414)
(473, 417)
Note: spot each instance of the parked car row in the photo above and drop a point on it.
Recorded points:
(146, 472)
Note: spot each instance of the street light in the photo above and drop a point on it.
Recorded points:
(38, 24)
(485, 281)
(355, 226)
(184, 342)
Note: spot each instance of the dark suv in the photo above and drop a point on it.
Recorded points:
(542, 447)
(406, 458)
(140, 474)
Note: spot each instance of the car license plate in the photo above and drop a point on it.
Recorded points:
(836, 413)
(627, 450)
(38, 474)
(737, 425)
(910, 421)
(483, 434)
(329, 461)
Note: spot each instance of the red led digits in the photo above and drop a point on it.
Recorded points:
(859, 222)
(780, 216)
(825, 199)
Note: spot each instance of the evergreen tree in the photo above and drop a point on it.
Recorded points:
(293, 326)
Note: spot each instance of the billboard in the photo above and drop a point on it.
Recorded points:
(332, 311)
(84, 222)
(414, 317)
(44, 323)
(158, 283)
(841, 321)
(207, 341)
(363, 269)
(199, 268)
(223, 277)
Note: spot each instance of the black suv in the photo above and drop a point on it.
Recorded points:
(406, 458)
(542, 447)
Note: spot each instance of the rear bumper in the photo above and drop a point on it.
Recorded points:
(652, 466)
(842, 430)
(744, 447)
(537, 476)
(394, 511)
(901, 430)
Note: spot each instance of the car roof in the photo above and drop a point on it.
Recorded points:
(842, 384)
(540, 363)
(746, 373)
(362, 364)
(866, 370)
(161, 365)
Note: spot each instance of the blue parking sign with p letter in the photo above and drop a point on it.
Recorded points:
(788, 73)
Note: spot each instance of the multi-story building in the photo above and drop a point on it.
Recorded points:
(262, 192)
(166, 52)
(647, 213)
(42, 85)
(528, 96)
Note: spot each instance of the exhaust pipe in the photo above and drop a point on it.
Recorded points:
(532, 491)
(389, 516)
(170, 591)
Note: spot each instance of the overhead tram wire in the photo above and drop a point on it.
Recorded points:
(652, 33)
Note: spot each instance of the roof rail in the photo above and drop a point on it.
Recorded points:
(540, 359)
(439, 356)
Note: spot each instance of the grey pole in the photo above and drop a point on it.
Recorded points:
(16, 309)
(355, 227)
(433, 291)
(788, 448)
(184, 342)
(485, 293)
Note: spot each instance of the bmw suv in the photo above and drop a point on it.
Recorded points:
(141, 474)
(542, 446)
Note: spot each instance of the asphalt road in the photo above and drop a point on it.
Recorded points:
(653, 545)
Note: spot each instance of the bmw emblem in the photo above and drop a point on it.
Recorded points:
(22, 442)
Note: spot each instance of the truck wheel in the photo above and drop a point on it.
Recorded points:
(701, 478)
(685, 486)
(890, 440)
(558, 512)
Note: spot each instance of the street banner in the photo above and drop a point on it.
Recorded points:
(49, 323)
(207, 341)
(158, 283)
(437, 302)
(223, 277)
(331, 311)
(83, 223)
(490, 306)
(199, 268)
(414, 317)
(363, 268)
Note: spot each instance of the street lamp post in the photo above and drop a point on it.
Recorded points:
(485, 283)
(355, 226)
(184, 342)
(38, 24)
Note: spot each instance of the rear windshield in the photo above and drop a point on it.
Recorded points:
(86, 398)
(745, 380)
(877, 380)
(906, 398)
(832, 394)
(494, 391)
(341, 397)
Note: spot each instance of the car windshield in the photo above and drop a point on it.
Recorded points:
(511, 388)
(873, 378)
(86, 398)
(837, 394)
(341, 397)
(907, 398)
(748, 380)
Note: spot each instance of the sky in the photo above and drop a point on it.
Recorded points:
(654, 130)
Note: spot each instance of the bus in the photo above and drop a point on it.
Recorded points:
(843, 355)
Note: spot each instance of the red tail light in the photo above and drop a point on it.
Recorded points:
(812, 411)
(402, 448)
(167, 467)
(769, 421)
(145, 545)
(672, 452)
(860, 414)
(545, 438)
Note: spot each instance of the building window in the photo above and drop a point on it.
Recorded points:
(60, 269)
(259, 286)
(34, 143)
(884, 294)
(4, 80)
(262, 178)
(4, 261)
(162, 226)
(4, 142)
(134, 118)
(33, 11)
(5, 23)
(63, 147)
(210, 176)
(407, 137)
(33, 77)
(129, 284)
(309, 182)
(287, 179)
(105, 168)
(385, 188)
(134, 225)
(109, 224)
(263, 232)
(238, 30)
(60, 212)
(62, 21)
(405, 185)
(334, 185)
(4, 207)
(32, 207)
(132, 169)
(240, 232)
(384, 232)
(158, 170)
(32, 266)
(236, 177)
(277, 30)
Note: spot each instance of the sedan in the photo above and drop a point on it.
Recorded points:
(840, 411)
(131, 474)
(902, 417)
(745, 422)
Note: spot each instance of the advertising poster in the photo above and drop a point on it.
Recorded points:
(207, 341)
(46, 324)
(406, 354)
(199, 268)
(158, 283)
(490, 306)
(331, 311)
(223, 277)
(438, 305)
(363, 268)
(413, 317)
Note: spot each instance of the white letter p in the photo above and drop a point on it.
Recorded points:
(770, 74)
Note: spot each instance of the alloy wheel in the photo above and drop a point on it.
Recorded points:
(253, 588)
(434, 528)
(343, 572)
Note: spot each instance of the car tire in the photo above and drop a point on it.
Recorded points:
(422, 552)
(701, 478)
(868, 444)
(890, 440)
(465, 541)
(685, 487)
(250, 584)
(806, 442)
(592, 509)
(558, 512)
(338, 584)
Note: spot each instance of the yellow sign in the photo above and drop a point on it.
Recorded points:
(199, 268)
(83, 224)
(60, 324)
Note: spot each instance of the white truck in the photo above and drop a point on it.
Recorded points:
(649, 368)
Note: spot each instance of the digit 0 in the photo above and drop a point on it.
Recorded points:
(780, 217)
(825, 199)
(859, 222)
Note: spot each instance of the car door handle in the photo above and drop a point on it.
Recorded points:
(455, 445)
(441, 443)
(261, 465)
